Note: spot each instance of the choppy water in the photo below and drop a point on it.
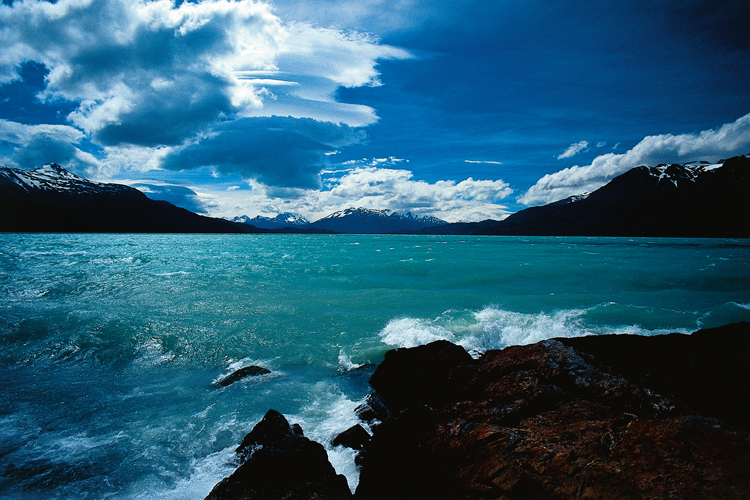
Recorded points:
(109, 344)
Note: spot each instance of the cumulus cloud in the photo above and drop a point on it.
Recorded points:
(153, 74)
(37, 145)
(276, 151)
(731, 139)
(371, 183)
(574, 149)
(394, 188)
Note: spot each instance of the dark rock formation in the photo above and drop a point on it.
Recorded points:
(248, 371)
(547, 421)
(703, 373)
(355, 437)
(279, 463)
(616, 417)
(373, 409)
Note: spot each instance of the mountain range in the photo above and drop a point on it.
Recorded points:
(51, 199)
(351, 220)
(697, 199)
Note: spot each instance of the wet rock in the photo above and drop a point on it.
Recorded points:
(702, 372)
(355, 437)
(420, 375)
(549, 421)
(248, 371)
(278, 462)
(373, 409)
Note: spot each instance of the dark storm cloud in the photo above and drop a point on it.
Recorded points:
(176, 195)
(276, 151)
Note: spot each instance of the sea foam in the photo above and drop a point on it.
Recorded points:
(496, 328)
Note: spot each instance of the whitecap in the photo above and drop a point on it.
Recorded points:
(329, 413)
(411, 332)
(345, 361)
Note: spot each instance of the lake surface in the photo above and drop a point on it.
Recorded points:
(110, 344)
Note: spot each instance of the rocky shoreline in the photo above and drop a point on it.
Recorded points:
(615, 416)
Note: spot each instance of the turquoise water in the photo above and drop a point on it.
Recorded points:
(109, 344)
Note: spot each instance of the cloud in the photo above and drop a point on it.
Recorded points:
(381, 188)
(275, 151)
(180, 196)
(149, 73)
(574, 149)
(371, 183)
(731, 139)
(484, 162)
(37, 145)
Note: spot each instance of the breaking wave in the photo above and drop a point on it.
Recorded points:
(495, 328)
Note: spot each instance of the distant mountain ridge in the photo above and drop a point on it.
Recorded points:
(281, 221)
(51, 199)
(349, 221)
(371, 221)
(696, 199)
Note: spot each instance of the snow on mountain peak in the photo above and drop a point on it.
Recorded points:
(53, 177)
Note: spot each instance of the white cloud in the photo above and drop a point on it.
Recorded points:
(37, 145)
(574, 149)
(731, 139)
(378, 187)
(150, 74)
(485, 162)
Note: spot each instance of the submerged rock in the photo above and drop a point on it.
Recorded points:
(278, 462)
(248, 371)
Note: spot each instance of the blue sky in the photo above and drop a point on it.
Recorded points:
(463, 110)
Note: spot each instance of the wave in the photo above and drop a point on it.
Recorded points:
(496, 328)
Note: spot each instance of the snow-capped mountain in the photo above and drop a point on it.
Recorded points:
(696, 199)
(370, 221)
(53, 178)
(51, 199)
(281, 221)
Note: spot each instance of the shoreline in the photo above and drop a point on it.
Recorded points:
(616, 416)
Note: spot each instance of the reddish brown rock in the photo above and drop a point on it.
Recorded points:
(610, 417)
(549, 422)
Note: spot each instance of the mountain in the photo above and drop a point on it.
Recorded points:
(51, 199)
(281, 221)
(677, 200)
(369, 221)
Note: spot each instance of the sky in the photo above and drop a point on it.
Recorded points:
(463, 110)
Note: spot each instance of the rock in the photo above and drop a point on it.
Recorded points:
(248, 371)
(355, 437)
(704, 372)
(549, 421)
(372, 409)
(278, 462)
(598, 417)
(420, 375)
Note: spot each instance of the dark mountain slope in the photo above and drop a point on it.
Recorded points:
(690, 200)
(51, 199)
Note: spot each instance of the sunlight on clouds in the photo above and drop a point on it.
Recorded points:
(731, 139)
(37, 145)
(151, 74)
